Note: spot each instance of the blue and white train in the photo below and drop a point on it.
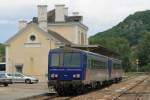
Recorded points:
(76, 70)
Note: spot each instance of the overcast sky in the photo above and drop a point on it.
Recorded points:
(99, 15)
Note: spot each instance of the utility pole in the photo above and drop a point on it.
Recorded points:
(137, 65)
(50, 45)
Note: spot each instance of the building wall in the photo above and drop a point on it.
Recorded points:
(34, 59)
(66, 31)
(71, 32)
(33, 56)
(82, 36)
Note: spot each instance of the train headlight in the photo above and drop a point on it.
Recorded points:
(52, 75)
(56, 75)
(78, 75)
(74, 76)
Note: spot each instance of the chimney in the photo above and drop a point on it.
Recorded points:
(75, 13)
(42, 17)
(22, 24)
(59, 13)
(66, 11)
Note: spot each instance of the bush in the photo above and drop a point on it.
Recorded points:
(146, 68)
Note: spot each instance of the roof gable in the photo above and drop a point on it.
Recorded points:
(59, 37)
(30, 25)
(50, 34)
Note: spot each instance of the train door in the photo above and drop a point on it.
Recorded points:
(84, 65)
(109, 68)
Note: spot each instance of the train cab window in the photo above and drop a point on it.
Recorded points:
(55, 60)
(66, 60)
(72, 59)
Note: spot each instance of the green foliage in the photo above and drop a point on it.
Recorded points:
(129, 38)
(132, 28)
(145, 68)
(119, 45)
(2, 52)
(144, 50)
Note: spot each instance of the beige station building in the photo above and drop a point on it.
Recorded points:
(27, 51)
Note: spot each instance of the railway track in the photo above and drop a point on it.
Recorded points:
(140, 91)
(48, 96)
(122, 91)
(115, 91)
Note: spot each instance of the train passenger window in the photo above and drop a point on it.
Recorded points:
(89, 65)
(116, 66)
(97, 64)
(55, 60)
(72, 59)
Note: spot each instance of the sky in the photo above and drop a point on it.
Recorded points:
(98, 15)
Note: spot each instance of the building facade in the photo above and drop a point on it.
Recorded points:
(27, 51)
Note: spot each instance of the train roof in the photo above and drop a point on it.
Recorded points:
(66, 49)
(97, 49)
(69, 49)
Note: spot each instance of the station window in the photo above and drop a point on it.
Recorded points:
(19, 68)
(32, 37)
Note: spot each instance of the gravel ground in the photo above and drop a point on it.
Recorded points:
(140, 92)
(17, 91)
(131, 88)
(112, 91)
(108, 93)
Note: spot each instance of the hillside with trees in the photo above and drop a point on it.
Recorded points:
(130, 38)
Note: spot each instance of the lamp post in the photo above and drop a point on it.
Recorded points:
(137, 65)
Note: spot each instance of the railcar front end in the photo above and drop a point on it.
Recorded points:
(66, 70)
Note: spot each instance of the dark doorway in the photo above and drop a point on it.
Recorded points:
(2, 66)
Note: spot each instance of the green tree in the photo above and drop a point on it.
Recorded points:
(2, 51)
(144, 50)
(134, 32)
(119, 45)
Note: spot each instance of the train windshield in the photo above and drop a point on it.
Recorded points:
(65, 60)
